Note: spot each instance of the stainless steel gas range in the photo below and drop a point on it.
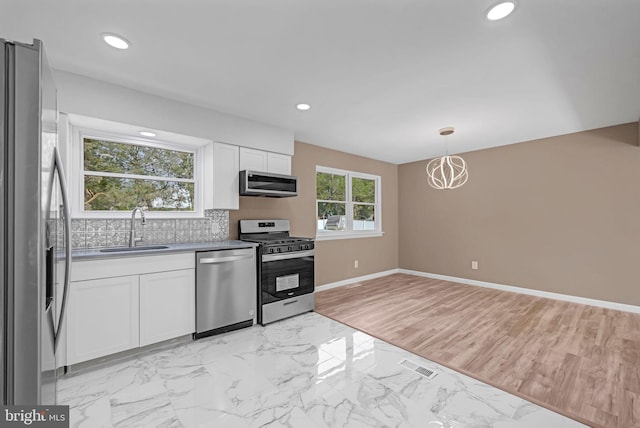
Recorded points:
(285, 269)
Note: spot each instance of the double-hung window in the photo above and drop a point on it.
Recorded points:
(117, 174)
(348, 204)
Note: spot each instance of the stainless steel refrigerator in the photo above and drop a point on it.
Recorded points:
(35, 254)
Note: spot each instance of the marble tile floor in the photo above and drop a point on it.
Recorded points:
(308, 371)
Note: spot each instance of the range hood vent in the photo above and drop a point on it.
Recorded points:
(257, 183)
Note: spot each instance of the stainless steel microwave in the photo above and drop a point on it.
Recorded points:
(257, 183)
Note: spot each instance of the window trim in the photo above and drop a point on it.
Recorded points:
(322, 235)
(77, 174)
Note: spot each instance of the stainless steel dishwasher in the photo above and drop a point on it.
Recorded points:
(225, 290)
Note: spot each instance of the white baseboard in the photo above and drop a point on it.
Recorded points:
(354, 280)
(502, 287)
(529, 291)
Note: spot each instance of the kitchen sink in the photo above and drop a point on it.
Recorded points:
(126, 249)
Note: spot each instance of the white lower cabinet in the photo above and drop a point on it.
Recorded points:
(167, 305)
(103, 317)
(145, 305)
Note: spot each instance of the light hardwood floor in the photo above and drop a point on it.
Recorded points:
(578, 360)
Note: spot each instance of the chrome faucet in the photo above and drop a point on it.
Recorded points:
(132, 232)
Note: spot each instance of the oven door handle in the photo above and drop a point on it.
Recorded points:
(214, 260)
(286, 256)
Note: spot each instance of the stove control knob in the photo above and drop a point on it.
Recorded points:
(289, 248)
(270, 250)
(279, 249)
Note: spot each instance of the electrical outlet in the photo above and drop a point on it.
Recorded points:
(474, 265)
(355, 264)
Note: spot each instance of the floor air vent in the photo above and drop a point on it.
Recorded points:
(423, 371)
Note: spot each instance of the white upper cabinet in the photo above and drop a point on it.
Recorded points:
(223, 163)
(253, 160)
(259, 160)
(278, 163)
(226, 170)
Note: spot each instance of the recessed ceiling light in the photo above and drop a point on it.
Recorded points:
(147, 134)
(500, 10)
(303, 106)
(115, 41)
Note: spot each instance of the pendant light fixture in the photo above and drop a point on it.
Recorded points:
(447, 172)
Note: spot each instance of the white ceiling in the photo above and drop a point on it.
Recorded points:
(382, 76)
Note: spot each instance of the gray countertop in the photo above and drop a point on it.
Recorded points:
(95, 253)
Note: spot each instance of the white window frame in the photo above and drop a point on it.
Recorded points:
(77, 174)
(322, 235)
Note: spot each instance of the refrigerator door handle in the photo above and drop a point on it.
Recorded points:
(67, 246)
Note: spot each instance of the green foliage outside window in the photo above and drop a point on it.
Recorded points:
(124, 194)
(330, 187)
(170, 185)
(363, 190)
(330, 208)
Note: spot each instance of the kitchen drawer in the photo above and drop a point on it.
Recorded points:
(111, 267)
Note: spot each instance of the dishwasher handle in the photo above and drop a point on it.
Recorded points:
(215, 260)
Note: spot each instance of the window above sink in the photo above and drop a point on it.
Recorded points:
(114, 169)
(122, 175)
